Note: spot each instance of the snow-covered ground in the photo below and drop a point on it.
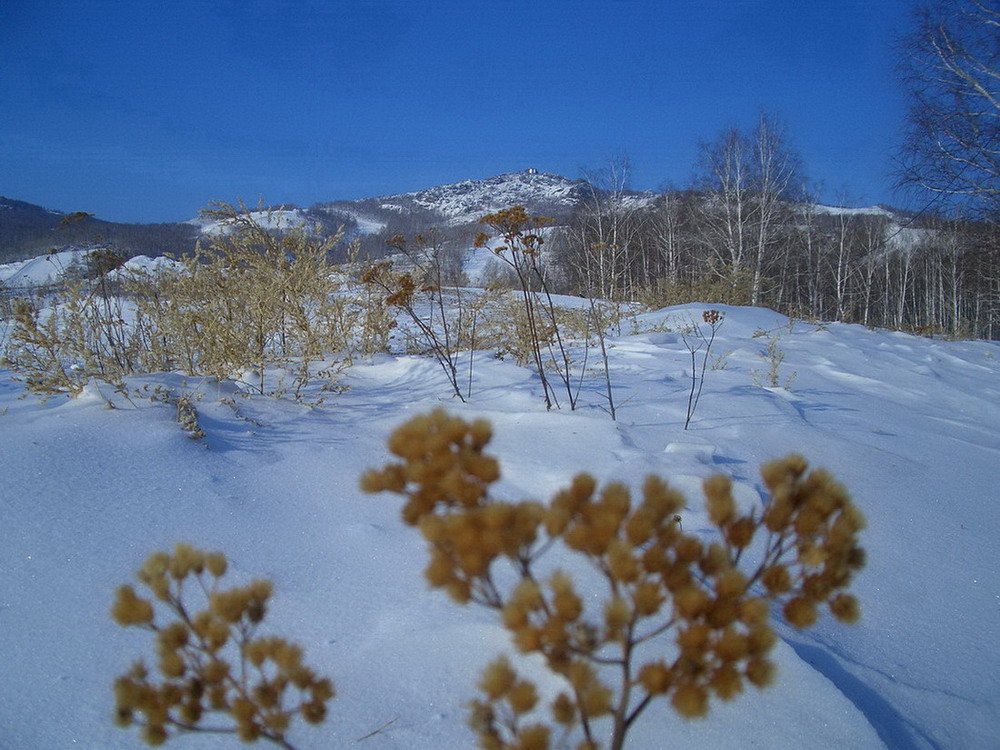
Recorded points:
(52, 269)
(143, 265)
(910, 425)
(285, 218)
(45, 269)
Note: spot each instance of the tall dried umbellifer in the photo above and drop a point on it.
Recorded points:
(522, 245)
(419, 291)
(695, 339)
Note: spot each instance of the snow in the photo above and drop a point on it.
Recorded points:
(52, 268)
(906, 240)
(367, 225)
(40, 271)
(852, 211)
(910, 425)
(285, 218)
(899, 236)
(468, 201)
(144, 265)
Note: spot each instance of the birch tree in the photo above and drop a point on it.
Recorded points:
(747, 181)
(950, 65)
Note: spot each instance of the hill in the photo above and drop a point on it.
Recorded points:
(465, 202)
(27, 230)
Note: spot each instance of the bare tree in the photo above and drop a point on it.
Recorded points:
(748, 181)
(669, 233)
(606, 258)
(778, 179)
(951, 67)
(725, 182)
(872, 240)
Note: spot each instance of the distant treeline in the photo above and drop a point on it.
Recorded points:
(878, 268)
(27, 231)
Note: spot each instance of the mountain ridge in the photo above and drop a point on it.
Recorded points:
(28, 230)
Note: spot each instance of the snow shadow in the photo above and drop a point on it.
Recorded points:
(895, 730)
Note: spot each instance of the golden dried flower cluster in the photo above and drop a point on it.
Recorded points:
(513, 224)
(398, 287)
(658, 579)
(814, 514)
(210, 660)
(712, 317)
(443, 462)
(508, 700)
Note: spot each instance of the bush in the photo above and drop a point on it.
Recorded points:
(420, 294)
(255, 300)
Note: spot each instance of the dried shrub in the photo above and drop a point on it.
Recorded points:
(507, 329)
(521, 250)
(81, 333)
(252, 301)
(774, 357)
(35, 352)
(716, 285)
(695, 340)
(420, 294)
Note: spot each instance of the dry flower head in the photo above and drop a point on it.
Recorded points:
(704, 600)
(211, 661)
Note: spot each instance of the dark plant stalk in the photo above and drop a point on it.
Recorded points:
(472, 353)
(598, 324)
(714, 319)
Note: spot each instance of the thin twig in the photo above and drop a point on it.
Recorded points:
(377, 731)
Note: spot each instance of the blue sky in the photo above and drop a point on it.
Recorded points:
(143, 111)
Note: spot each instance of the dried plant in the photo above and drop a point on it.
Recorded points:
(253, 301)
(696, 340)
(603, 316)
(211, 661)
(367, 322)
(80, 334)
(714, 284)
(682, 620)
(423, 288)
(773, 356)
(521, 248)
(35, 355)
(504, 327)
